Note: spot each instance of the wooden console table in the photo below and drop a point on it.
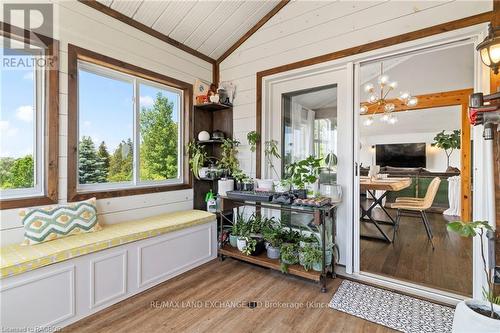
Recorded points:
(324, 221)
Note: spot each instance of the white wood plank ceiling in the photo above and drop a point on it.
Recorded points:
(210, 27)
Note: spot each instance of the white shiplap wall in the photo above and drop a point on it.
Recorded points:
(83, 26)
(304, 29)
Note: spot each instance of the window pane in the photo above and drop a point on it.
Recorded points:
(159, 130)
(106, 129)
(17, 124)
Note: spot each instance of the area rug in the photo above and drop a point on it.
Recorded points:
(393, 310)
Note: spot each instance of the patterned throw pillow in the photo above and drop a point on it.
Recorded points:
(49, 223)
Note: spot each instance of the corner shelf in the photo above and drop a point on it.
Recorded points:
(213, 106)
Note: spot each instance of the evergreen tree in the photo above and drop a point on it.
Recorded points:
(121, 162)
(103, 155)
(159, 140)
(90, 168)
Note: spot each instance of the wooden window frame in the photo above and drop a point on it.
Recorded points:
(75, 54)
(51, 117)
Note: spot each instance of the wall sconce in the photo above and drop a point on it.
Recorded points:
(489, 49)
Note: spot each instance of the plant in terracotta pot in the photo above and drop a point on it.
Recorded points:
(477, 315)
(198, 157)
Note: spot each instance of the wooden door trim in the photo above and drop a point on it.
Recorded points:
(443, 99)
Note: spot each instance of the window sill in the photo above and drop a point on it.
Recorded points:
(77, 196)
(27, 202)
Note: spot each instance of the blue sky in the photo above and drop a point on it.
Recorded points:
(106, 107)
(16, 111)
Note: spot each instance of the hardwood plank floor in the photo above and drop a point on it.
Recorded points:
(411, 258)
(228, 281)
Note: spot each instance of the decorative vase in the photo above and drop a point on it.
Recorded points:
(203, 136)
(273, 252)
(332, 191)
(467, 320)
(233, 240)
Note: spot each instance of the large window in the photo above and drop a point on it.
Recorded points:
(27, 110)
(130, 130)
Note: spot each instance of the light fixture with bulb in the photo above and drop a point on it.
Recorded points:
(489, 49)
(377, 95)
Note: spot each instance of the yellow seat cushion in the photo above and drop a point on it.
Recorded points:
(16, 259)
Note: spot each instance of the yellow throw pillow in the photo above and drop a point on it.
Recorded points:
(49, 223)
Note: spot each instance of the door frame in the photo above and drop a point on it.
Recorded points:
(471, 35)
(452, 33)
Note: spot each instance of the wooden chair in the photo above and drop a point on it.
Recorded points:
(416, 207)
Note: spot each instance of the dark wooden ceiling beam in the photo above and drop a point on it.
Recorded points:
(144, 28)
(253, 30)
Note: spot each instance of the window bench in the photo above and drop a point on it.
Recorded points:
(61, 281)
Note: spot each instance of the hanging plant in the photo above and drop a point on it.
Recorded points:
(198, 157)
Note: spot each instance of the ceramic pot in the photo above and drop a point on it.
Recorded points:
(273, 252)
(241, 243)
(203, 173)
(247, 186)
(467, 320)
(259, 248)
(233, 240)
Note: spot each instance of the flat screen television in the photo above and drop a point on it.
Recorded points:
(401, 155)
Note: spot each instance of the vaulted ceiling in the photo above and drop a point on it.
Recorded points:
(209, 27)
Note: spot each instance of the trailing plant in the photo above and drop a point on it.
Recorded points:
(198, 157)
(228, 160)
(304, 172)
(288, 255)
(471, 229)
(251, 243)
(271, 151)
(448, 142)
(311, 255)
(253, 137)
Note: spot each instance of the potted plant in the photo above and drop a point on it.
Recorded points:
(229, 160)
(477, 315)
(273, 235)
(448, 142)
(253, 138)
(237, 230)
(311, 257)
(331, 189)
(270, 152)
(198, 157)
(304, 173)
(289, 255)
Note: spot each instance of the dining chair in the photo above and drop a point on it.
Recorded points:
(416, 207)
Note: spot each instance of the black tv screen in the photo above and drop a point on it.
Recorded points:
(401, 155)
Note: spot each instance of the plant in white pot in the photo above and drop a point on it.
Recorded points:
(198, 158)
(477, 315)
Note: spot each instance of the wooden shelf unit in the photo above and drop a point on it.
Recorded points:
(264, 261)
(210, 117)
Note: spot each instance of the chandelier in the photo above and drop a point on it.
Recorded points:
(378, 99)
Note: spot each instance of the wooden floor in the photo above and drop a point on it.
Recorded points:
(228, 281)
(411, 258)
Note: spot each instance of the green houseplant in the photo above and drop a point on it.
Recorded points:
(311, 257)
(238, 229)
(198, 157)
(289, 255)
(273, 235)
(229, 160)
(253, 138)
(448, 142)
(304, 172)
(271, 151)
(475, 315)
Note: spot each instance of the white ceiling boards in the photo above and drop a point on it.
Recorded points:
(213, 26)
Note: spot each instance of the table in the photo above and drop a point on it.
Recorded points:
(324, 219)
(386, 185)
